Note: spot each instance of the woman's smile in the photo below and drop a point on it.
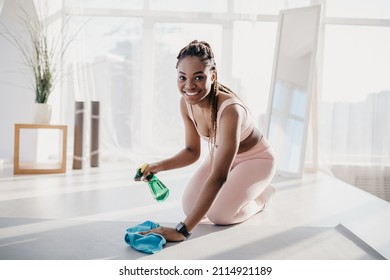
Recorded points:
(192, 93)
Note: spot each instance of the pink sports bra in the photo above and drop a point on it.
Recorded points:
(246, 127)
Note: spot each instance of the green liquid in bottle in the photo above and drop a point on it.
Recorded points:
(159, 190)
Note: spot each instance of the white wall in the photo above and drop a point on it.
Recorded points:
(16, 88)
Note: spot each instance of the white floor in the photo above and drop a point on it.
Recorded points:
(32, 205)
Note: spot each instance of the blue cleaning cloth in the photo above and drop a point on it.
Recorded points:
(150, 243)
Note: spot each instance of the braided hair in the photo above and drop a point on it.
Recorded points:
(203, 51)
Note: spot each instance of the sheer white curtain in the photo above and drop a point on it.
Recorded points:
(104, 62)
(354, 126)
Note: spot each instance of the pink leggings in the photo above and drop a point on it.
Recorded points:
(250, 174)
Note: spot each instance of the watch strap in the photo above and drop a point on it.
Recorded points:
(181, 228)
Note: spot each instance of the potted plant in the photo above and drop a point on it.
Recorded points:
(41, 55)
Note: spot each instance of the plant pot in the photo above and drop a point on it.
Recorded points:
(42, 113)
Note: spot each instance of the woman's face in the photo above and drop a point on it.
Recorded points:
(194, 79)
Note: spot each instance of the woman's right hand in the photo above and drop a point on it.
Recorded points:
(152, 168)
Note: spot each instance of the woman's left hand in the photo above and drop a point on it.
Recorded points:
(170, 234)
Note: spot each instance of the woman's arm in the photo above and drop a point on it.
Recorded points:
(186, 156)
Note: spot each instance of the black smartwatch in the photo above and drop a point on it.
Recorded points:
(181, 228)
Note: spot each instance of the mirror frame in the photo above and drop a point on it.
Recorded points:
(317, 9)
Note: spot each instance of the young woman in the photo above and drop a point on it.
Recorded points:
(232, 184)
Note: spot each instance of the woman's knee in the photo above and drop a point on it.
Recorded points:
(221, 218)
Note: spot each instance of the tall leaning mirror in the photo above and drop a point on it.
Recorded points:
(291, 87)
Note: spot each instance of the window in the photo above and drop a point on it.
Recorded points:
(356, 93)
(264, 7)
(206, 6)
(379, 9)
(104, 4)
(105, 58)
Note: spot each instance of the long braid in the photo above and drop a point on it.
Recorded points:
(214, 112)
(203, 51)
